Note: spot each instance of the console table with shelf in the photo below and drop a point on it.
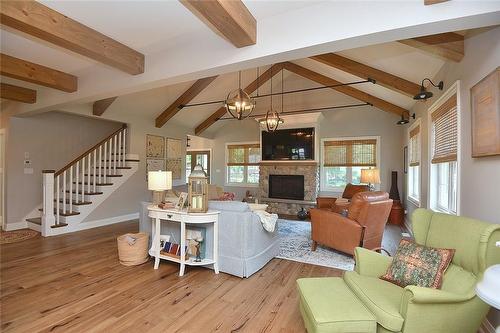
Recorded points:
(183, 218)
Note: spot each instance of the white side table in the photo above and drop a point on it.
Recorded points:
(183, 218)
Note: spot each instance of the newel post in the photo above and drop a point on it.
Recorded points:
(48, 218)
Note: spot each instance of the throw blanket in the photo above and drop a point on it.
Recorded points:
(268, 220)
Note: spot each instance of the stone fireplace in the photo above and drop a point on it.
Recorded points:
(287, 175)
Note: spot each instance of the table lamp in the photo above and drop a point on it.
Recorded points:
(488, 288)
(158, 182)
(370, 177)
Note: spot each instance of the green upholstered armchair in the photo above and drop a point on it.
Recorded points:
(453, 308)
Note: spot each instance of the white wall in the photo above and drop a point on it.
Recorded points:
(479, 177)
(52, 140)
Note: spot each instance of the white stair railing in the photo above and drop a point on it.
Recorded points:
(76, 181)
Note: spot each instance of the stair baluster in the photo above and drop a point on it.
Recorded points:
(77, 187)
(124, 133)
(94, 176)
(70, 189)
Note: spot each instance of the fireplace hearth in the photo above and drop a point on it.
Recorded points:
(286, 187)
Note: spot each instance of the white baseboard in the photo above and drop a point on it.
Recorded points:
(16, 226)
(107, 221)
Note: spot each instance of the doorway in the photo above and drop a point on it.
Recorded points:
(194, 157)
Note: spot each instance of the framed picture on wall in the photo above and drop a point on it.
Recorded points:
(485, 113)
(155, 146)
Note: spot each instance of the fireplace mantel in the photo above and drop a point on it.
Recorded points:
(289, 163)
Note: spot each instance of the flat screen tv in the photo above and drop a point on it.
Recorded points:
(288, 144)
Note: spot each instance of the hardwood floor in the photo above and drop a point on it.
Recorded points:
(74, 283)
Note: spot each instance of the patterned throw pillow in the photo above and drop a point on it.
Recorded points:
(418, 265)
(227, 196)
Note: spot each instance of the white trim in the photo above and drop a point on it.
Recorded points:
(322, 180)
(107, 221)
(211, 160)
(226, 183)
(454, 89)
(16, 226)
(415, 201)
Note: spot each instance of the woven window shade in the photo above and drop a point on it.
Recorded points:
(243, 154)
(415, 146)
(444, 129)
(350, 153)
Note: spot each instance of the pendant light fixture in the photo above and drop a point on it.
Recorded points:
(273, 120)
(238, 103)
(424, 94)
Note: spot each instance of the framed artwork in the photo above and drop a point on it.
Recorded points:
(174, 148)
(155, 146)
(175, 165)
(485, 113)
(405, 159)
(153, 164)
(181, 201)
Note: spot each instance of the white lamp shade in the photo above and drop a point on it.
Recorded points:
(159, 180)
(371, 176)
(488, 288)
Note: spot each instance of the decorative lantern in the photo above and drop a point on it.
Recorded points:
(198, 191)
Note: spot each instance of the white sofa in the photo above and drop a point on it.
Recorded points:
(244, 245)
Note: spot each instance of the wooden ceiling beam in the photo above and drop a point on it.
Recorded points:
(19, 94)
(433, 2)
(263, 78)
(347, 90)
(30, 72)
(183, 99)
(230, 19)
(385, 79)
(40, 21)
(448, 45)
(100, 106)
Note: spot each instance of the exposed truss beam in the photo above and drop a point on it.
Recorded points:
(183, 99)
(27, 71)
(448, 45)
(433, 2)
(347, 90)
(40, 21)
(385, 79)
(100, 106)
(19, 94)
(230, 19)
(263, 78)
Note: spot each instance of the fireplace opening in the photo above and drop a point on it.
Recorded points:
(286, 187)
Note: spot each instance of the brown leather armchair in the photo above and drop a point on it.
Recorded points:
(364, 225)
(349, 191)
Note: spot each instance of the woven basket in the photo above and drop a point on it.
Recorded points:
(135, 254)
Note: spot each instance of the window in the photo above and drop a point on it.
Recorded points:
(243, 164)
(414, 163)
(197, 157)
(343, 160)
(444, 151)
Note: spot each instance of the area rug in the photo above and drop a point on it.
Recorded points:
(7, 237)
(296, 245)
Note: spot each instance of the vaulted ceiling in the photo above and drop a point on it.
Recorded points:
(161, 54)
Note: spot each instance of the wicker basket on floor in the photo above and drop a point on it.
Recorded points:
(135, 254)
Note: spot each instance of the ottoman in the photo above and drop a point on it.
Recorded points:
(327, 305)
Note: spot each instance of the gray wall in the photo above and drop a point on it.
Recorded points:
(479, 177)
(52, 140)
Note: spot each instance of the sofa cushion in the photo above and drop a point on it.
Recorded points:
(327, 305)
(382, 298)
(418, 265)
(233, 206)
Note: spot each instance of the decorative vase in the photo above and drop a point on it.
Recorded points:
(302, 214)
(394, 193)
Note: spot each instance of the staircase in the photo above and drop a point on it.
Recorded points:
(72, 193)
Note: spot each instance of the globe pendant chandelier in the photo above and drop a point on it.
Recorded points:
(273, 120)
(238, 103)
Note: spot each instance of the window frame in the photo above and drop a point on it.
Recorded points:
(323, 186)
(415, 200)
(433, 168)
(226, 176)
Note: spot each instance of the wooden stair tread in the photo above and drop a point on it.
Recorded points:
(61, 224)
(117, 168)
(62, 213)
(126, 160)
(86, 193)
(76, 203)
(36, 220)
(97, 184)
(86, 175)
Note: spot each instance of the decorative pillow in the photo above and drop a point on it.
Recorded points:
(418, 265)
(227, 196)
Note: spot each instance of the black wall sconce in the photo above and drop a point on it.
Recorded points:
(424, 94)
